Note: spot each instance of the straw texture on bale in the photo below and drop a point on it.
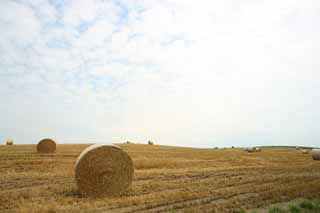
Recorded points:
(315, 154)
(9, 142)
(46, 146)
(103, 170)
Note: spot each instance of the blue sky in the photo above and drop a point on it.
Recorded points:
(211, 73)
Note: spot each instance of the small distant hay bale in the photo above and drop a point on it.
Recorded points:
(315, 154)
(232, 147)
(297, 148)
(150, 142)
(46, 146)
(257, 149)
(305, 151)
(250, 149)
(127, 142)
(103, 170)
(9, 142)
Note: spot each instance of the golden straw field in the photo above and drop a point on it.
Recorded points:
(166, 179)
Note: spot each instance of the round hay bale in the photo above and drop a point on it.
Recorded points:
(250, 149)
(103, 170)
(297, 148)
(150, 142)
(305, 151)
(9, 142)
(257, 149)
(315, 154)
(46, 146)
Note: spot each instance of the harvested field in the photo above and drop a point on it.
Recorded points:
(165, 179)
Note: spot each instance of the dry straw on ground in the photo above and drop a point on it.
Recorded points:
(9, 142)
(103, 170)
(169, 179)
(315, 154)
(46, 146)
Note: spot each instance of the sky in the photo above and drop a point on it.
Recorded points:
(177, 72)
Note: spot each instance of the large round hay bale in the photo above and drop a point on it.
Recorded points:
(103, 170)
(9, 142)
(315, 154)
(46, 146)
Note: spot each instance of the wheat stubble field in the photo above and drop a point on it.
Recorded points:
(166, 179)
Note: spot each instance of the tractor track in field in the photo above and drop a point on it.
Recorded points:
(29, 183)
(202, 200)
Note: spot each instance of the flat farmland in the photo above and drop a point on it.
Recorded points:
(166, 179)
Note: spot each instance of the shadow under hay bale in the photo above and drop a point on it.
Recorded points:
(103, 170)
(46, 146)
(315, 154)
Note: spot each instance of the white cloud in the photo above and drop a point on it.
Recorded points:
(19, 23)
